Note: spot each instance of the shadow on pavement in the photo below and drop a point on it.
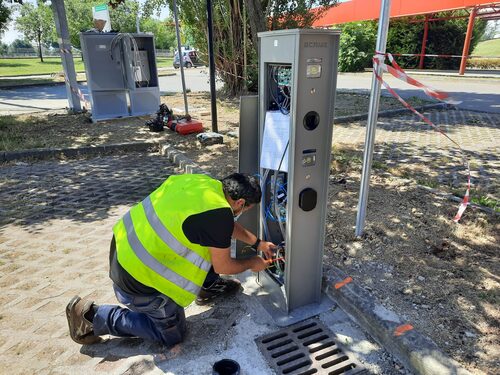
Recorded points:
(83, 190)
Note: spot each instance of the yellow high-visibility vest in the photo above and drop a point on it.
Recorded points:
(151, 245)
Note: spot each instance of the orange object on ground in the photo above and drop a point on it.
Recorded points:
(402, 329)
(188, 127)
(347, 280)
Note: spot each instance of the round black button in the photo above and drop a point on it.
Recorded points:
(311, 120)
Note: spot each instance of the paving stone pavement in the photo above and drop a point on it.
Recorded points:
(55, 226)
(409, 142)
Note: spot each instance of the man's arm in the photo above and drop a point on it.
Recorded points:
(223, 263)
(244, 235)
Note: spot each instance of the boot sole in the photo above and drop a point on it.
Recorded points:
(69, 308)
(87, 339)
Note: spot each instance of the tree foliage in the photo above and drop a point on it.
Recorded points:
(79, 14)
(3, 48)
(232, 21)
(36, 23)
(164, 32)
(6, 12)
(357, 41)
(20, 43)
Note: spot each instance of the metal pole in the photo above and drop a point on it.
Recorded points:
(383, 27)
(213, 93)
(424, 42)
(181, 57)
(137, 23)
(468, 37)
(66, 55)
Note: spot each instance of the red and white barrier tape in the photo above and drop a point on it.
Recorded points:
(79, 93)
(64, 50)
(398, 72)
(444, 56)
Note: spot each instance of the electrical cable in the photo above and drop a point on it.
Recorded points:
(122, 38)
(275, 198)
(263, 183)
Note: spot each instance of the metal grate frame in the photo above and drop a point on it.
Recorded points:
(307, 348)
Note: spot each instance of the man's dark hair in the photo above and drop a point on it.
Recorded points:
(242, 185)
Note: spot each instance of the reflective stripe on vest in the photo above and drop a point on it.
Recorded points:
(154, 264)
(169, 239)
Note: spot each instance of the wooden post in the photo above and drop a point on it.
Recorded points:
(468, 37)
(424, 42)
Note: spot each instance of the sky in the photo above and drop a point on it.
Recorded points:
(12, 34)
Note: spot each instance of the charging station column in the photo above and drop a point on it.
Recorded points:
(297, 84)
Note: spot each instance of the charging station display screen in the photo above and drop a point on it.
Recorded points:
(313, 71)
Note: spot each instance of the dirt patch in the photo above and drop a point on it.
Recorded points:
(439, 276)
(60, 130)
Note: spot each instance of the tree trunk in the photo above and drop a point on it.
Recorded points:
(256, 19)
(40, 46)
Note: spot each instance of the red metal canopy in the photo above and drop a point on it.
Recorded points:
(362, 10)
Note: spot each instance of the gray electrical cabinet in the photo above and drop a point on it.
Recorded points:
(121, 74)
(297, 84)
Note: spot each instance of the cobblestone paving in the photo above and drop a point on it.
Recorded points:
(56, 219)
(408, 142)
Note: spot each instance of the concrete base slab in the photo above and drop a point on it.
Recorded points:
(268, 299)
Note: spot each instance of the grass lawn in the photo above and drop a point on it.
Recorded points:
(17, 67)
(164, 62)
(488, 48)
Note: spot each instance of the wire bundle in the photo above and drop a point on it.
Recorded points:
(117, 43)
(279, 74)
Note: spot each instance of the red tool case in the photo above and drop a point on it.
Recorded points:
(187, 127)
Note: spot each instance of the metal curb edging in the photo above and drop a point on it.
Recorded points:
(389, 113)
(415, 350)
(72, 152)
(181, 160)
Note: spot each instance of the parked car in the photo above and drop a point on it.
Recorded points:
(190, 58)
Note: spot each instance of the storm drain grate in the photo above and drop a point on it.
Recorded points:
(307, 348)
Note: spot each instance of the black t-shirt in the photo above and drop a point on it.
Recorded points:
(210, 228)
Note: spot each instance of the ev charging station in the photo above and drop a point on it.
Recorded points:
(289, 146)
(121, 74)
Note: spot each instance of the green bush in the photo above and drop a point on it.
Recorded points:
(444, 38)
(405, 37)
(357, 43)
(358, 40)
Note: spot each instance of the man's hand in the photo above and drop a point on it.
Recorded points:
(267, 248)
(259, 264)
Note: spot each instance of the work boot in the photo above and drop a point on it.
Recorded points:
(80, 314)
(220, 287)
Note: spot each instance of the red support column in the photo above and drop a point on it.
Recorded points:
(468, 37)
(424, 42)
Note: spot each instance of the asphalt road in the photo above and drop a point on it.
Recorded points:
(480, 94)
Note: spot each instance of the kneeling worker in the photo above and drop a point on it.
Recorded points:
(168, 251)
